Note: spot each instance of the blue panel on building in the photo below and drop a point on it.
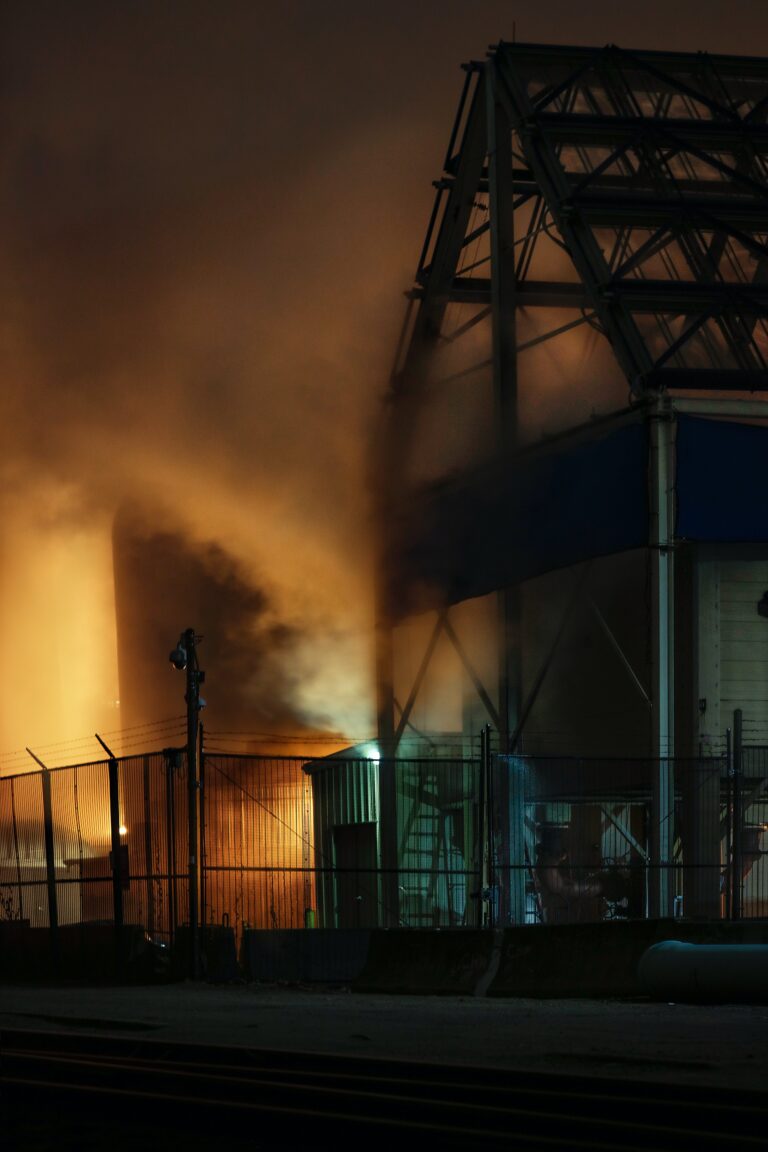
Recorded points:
(722, 470)
(582, 501)
(549, 509)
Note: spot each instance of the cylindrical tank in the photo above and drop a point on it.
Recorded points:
(676, 970)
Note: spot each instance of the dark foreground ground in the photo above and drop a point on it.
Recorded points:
(627, 1075)
(722, 1045)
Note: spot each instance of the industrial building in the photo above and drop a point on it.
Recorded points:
(572, 578)
(573, 461)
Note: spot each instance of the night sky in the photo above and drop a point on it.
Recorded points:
(208, 215)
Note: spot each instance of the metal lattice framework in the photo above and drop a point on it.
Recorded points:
(649, 173)
(606, 194)
(621, 192)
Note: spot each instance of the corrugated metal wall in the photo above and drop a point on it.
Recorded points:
(437, 842)
(258, 861)
(345, 796)
(744, 646)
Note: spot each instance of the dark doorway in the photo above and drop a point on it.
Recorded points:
(357, 881)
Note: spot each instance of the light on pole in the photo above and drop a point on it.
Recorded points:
(184, 659)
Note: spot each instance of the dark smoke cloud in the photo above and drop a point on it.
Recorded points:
(161, 577)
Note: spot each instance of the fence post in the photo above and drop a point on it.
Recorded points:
(116, 860)
(484, 835)
(195, 678)
(148, 861)
(728, 824)
(203, 854)
(50, 870)
(736, 851)
(388, 835)
(16, 853)
(170, 840)
(516, 792)
(489, 849)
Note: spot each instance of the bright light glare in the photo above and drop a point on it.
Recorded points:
(371, 752)
(122, 830)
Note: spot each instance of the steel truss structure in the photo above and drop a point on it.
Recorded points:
(618, 192)
(649, 172)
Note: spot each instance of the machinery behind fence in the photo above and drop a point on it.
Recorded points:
(292, 843)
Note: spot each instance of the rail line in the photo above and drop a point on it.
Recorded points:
(145, 1090)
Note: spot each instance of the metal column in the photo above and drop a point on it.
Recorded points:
(387, 790)
(737, 839)
(661, 891)
(504, 346)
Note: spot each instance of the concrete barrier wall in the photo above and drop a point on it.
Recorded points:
(304, 955)
(598, 959)
(588, 960)
(450, 961)
(84, 953)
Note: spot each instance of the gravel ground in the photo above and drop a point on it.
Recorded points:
(678, 1043)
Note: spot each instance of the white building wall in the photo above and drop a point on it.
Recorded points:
(732, 647)
(744, 646)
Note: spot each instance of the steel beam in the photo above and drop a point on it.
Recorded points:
(629, 186)
(543, 58)
(709, 379)
(528, 294)
(642, 209)
(678, 297)
(608, 131)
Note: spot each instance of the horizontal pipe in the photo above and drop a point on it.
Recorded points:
(676, 970)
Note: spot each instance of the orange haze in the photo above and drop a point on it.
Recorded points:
(208, 214)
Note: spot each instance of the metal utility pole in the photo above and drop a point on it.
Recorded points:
(116, 855)
(184, 658)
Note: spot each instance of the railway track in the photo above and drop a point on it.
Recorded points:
(102, 1092)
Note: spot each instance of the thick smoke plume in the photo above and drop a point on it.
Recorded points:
(208, 212)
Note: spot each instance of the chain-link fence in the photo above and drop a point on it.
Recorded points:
(258, 853)
(350, 842)
(74, 842)
(577, 840)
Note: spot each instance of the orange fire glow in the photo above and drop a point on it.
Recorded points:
(207, 222)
